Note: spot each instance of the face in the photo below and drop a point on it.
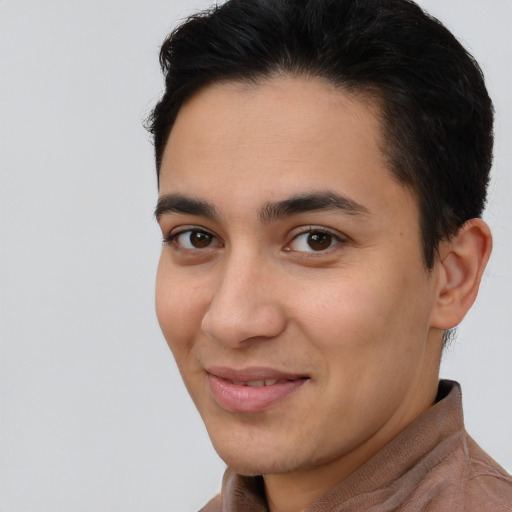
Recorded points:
(291, 287)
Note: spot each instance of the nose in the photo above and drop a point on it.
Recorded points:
(244, 306)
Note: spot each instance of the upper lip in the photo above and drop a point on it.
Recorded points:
(252, 374)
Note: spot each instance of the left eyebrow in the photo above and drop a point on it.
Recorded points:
(303, 203)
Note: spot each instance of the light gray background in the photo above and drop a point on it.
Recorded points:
(93, 414)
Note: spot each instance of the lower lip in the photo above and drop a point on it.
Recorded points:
(236, 398)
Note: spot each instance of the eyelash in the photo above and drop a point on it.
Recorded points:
(172, 238)
(336, 239)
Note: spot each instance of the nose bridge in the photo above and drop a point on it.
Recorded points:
(244, 304)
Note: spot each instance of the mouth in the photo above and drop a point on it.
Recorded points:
(257, 383)
(251, 390)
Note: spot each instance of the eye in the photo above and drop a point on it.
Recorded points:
(193, 239)
(313, 241)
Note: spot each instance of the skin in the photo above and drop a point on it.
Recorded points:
(358, 315)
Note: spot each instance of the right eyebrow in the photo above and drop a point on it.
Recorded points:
(178, 203)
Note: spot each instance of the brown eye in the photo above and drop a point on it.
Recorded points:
(200, 240)
(194, 239)
(319, 241)
(313, 241)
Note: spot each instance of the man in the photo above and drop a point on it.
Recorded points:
(322, 170)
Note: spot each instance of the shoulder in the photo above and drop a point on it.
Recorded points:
(488, 485)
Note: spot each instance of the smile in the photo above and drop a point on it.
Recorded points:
(236, 391)
(257, 383)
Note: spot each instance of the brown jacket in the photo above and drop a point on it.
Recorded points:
(433, 465)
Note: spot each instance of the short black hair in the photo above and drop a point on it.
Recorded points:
(437, 116)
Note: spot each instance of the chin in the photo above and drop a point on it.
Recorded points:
(243, 460)
(253, 458)
(245, 467)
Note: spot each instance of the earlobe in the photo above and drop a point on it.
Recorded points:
(463, 259)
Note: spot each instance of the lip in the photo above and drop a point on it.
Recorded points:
(231, 392)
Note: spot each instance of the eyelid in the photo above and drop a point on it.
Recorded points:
(180, 230)
(340, 237)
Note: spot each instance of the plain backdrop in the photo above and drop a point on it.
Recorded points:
(93, 414)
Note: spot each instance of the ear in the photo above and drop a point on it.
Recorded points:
(460, 267)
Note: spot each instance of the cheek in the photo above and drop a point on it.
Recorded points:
(342, 313)
(180, 306)
(365, 317)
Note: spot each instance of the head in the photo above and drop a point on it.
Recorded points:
(322, 168)
(436, 114)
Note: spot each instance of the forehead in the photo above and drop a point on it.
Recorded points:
(275, 139)
(299, 110)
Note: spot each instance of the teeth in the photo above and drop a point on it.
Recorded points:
(257, 383)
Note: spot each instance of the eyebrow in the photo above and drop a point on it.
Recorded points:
(303, 203)
(271, 212)
(178, 203)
